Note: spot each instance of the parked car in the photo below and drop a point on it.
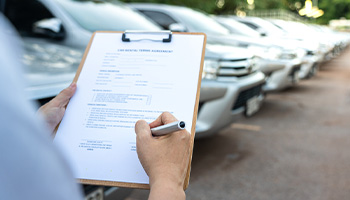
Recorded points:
(313, 56)
(328, 48)
(339, 40)
(235, 70)
(291, 59)
(274, 58)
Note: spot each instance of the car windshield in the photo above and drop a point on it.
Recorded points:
(237, 27)
(293, 27)
(200, 22)
(95, 15)
(268, 26)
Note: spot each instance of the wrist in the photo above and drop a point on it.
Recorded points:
(166, 178)
(167, 189)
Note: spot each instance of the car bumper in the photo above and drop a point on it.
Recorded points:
(284, 78)
(270, 66)
(216, 114)
(310, 66)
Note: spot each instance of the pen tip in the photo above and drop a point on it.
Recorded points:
(182, 124)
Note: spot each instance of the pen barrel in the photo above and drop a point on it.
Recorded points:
(168, 128)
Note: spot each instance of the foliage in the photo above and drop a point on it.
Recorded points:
(334, 9)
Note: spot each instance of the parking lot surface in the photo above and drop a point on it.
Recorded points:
(296, 147)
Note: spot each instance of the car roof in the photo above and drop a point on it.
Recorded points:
(156, 6)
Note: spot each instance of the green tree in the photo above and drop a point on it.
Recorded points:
(231, 6)
(334, 9)
(205, 5)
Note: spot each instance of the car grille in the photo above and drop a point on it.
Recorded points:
(237, 68)
(247, 94)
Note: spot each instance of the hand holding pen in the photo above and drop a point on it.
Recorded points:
(168, 128)
(165, 159)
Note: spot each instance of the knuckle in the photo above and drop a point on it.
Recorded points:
(140, 123)
(168, 117)
(137, 123)
(166, 113)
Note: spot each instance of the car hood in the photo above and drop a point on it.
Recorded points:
(225, 52)
(48, 58)
(49, 67)
(237, 40)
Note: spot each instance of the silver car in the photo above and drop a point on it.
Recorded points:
(235, 69)
(273, 57)
(310, 60)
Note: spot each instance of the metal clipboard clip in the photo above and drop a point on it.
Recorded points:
(153, 36)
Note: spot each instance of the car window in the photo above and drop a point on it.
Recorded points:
(23, 14)
(162, 19)
(269, 27)
(95, 15)
(200, 22)
(238, 28)
(250, 25)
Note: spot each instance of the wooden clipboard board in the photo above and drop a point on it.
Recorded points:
(138, 185)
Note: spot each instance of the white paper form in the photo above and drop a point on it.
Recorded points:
(120, 83)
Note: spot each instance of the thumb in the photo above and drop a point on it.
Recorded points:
(63, 97)
(142, 129)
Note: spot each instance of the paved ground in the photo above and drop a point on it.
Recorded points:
(296, 147)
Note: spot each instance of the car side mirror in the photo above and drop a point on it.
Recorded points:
(176, 27)
(51, 28)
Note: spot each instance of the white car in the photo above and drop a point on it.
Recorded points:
(273, 58)
(238, 73)
(313, 53)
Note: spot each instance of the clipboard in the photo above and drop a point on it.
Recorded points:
(132, 38)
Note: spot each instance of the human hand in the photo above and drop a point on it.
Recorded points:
(54, 110)
(164, 158)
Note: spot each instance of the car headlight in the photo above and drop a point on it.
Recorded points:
(210, 69)
(290, 55)
(254, 64)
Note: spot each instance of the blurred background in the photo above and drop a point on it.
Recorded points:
(274, 105)
(312, 11)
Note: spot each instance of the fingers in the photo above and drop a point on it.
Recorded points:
(142, 129)
(63, 97)
(164, 118)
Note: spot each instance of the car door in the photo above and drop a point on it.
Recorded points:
(50, 66)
